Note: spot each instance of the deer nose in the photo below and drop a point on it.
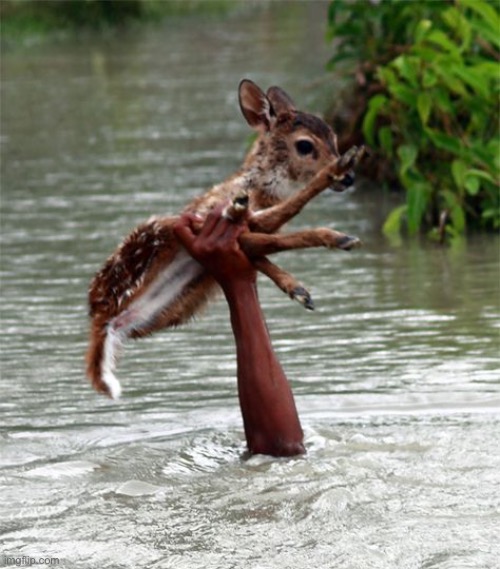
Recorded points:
(347, 180)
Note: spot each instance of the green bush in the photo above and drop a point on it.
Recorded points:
(435, 112)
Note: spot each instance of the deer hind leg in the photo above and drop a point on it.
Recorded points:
(285, 281)
(261, 244)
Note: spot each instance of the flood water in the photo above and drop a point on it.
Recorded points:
(396, 373)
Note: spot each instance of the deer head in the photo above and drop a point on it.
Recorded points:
(292, 146)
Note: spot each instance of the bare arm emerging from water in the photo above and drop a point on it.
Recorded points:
(270, 418)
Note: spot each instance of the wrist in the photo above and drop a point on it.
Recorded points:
(239, 287)
(243, 301)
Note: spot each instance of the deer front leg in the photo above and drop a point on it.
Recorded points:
(285, 281)
(271, 219)
(261, 244)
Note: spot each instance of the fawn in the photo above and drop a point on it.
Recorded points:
(150, 282)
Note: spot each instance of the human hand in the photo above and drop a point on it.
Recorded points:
(216, 246)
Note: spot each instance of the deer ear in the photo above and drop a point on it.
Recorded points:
(255, 106)
(281, 102)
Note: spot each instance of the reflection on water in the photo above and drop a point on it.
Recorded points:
(396, 373)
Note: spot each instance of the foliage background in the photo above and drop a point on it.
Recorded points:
(425, 96)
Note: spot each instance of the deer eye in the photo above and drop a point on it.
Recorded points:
(304, 147)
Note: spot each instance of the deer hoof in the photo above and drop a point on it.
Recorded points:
(352, 157)
(302, 296)
(348, 159)
(348, 242)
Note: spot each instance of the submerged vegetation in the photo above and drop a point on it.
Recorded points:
(425, 95)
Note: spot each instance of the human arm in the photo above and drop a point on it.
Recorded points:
(270, 418)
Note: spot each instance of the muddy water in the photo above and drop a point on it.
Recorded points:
(396, 374)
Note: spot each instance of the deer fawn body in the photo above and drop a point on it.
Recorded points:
(151, 282)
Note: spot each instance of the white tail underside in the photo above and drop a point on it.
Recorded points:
(164, 289)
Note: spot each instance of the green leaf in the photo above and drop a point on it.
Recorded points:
(482, 174)
(444, 141)
(424, 104)
(485, 10)
(454, 206)
(393, 222)
(376, 104)
(408, 68)
(459, 171)
(451, 81)
(459, 24)
(472, 184)
(492, 214)
(483, 29)
(386, 140)
(429, 78)
(439, 38)
(387, 76)
(476, 80)
(480, 155)
(407, 155)
(403, 93)
(424, 52)
(417, 196)
(487, 69)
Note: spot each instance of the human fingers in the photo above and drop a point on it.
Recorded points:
(184, 229)
(228, 229)
(212, 220)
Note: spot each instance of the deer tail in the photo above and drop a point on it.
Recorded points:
(104, 344)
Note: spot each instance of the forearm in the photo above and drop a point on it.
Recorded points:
(269, 414)
(270, 418)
